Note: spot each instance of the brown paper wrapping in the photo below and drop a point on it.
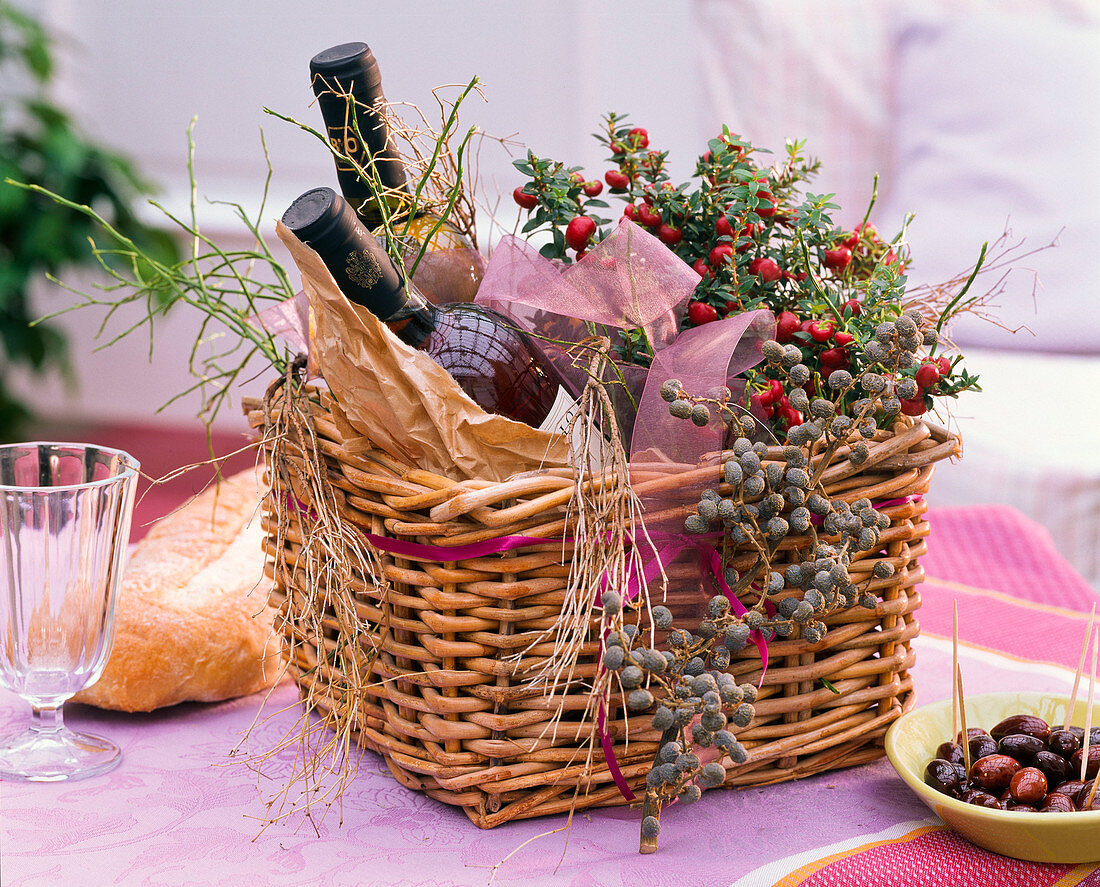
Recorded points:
(401, 399)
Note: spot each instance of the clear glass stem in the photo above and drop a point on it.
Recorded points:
(46, 719)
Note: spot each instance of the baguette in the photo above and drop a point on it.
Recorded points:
(191, 618)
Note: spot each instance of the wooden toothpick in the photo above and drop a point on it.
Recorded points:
(1088, 707)
(1080, 665)
(955, 670)
(962, 716)
(1092, 792)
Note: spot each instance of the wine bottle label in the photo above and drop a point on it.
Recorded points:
(559, 419)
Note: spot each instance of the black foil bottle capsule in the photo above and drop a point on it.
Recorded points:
(494, 363)
(348, 86)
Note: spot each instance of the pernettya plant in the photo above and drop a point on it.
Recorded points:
(757, 239)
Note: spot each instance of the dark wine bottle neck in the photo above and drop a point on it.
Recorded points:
(360, 264)
(349, 92)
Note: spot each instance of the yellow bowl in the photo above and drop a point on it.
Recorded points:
(911, 743)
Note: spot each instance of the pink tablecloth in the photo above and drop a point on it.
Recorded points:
(180, 811)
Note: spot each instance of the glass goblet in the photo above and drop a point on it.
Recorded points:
(64, 526)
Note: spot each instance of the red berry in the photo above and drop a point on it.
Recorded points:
(838, 259)
(700, 313)
(749, 231)
(648, 216)
(766, 269)
(720, 254)
(768, 210)
(844, 339)
(630, 211)
(761, 409)
(851, 240)
(737, 150)
(914, 407)
(928, 375)
(593, 188)
(892, 258)
(821, 332)
(578, 232)
(854, 307)
(790, 415)
(700, 267)
(944, 364)
(581, 253)
(670, 234)
(834, 358)
(723, 227)
(773, 393)
(618, 148)
(804, 327)
(786, 325)
(731, 308)
(616, 181)
(639, 137)
(527, 201)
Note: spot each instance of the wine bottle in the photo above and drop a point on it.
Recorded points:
(348, 87)
(492, 361)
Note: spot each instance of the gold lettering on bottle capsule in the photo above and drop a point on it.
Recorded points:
(341, 144)
(363, 268)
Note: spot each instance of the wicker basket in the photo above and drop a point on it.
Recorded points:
(448, 712)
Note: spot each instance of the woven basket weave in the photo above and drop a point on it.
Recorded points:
(451, 716)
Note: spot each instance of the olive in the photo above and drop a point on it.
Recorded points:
(1056, 802)
(983, 745)
(1070, 788)
(1028, 786)
(943, 776)
(950, 751)
(1079, 732)
(971, 732)
(1093, 764)
(1056, 768)
(1030, 725)
(1064, 742)
(994, 772)
(1020, 746)
(981, 799)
